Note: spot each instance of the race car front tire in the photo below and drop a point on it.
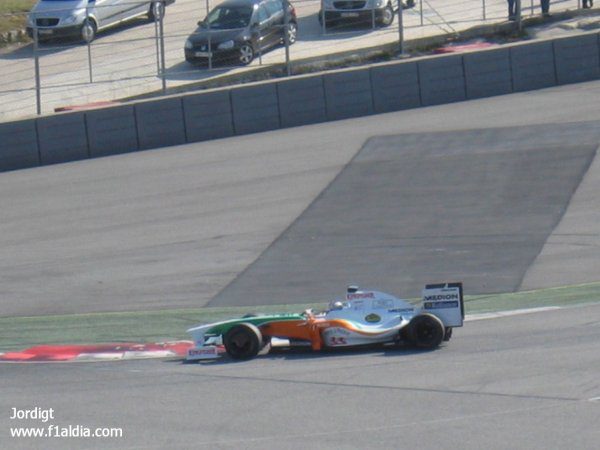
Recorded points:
(426, 331)
(243, 341)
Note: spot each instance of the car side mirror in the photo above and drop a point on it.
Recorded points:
(201, 23)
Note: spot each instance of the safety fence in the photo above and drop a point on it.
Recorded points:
(109, 51)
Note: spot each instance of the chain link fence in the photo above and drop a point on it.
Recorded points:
(153, 48)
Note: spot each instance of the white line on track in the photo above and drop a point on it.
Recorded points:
(514, 312)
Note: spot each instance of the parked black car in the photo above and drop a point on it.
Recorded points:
(239, 29)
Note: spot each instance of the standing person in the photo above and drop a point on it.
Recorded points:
(512, 10)
(588, 3)
(545, 8)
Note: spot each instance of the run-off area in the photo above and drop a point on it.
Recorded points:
(473, 206)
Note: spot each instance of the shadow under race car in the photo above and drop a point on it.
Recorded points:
(363, 318)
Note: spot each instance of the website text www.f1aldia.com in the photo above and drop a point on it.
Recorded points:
(69, 431)
(23, 418)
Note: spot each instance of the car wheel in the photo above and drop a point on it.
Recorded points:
(88, 30)
(157, 9)
(246, 53)
(292, 33)
(405, 337)
(387, 16)
(426, 331)
(243, 341)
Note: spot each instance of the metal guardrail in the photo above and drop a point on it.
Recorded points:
(143, 56)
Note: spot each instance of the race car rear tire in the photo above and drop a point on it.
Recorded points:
(426, 331)
(243, 341)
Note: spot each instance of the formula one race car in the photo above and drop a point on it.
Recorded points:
(363, 318)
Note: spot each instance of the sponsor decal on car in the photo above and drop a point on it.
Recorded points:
(358, 305)
(438, 297)
(373, 318)
(437, 305)
(359, 295)
(383, 304)
(204, 352)
(401, 310)
(337, 340)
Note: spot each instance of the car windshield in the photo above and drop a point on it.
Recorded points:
(229, 17)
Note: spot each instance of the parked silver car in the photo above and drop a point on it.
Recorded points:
(361, 11)
(84, 18)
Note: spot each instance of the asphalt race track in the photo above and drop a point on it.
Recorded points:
(180, 227)
(521, 382)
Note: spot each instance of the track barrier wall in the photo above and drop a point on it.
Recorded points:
(111, 131)
(299, 100)
(533, 66)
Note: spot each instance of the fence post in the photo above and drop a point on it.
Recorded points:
(36, 57)
(259, 47)
(286, 36)
(89, 42)
(373, 15)
(519, 18)
(209, 47)
(400, 28)
(324, 24)
(161, 12)
(483, 8)
(157, 40)
(420, 7)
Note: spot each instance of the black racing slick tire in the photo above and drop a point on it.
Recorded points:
(243, 341)
(426, 331)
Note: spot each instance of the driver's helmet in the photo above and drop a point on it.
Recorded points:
(336, 305)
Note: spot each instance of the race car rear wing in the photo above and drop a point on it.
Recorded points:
(445, 300)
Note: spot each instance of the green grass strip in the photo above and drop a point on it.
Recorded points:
(13, 14)
(18, 333)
